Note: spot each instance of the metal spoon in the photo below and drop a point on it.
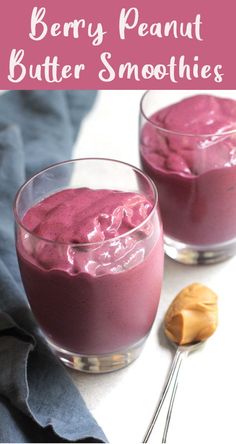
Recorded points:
(181, 353)
(196, 299)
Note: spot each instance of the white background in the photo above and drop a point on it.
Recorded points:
(123, 402)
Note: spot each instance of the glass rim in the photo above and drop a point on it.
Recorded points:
(175, 132)
(85, 244)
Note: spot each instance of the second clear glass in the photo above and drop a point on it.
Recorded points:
(195, 173)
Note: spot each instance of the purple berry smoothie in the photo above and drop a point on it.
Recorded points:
(186, 151)
(91, 291)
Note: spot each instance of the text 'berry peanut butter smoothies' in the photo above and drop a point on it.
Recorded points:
(89, 243)
(189, 150)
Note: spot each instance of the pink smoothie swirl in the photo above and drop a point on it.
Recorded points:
(189, 149)
(91, 263)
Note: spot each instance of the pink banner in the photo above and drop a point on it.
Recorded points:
(136, 44)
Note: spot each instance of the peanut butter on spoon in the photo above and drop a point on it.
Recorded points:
(189, 321)
(192, 316)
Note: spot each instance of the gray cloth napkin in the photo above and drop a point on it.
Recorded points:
(38, 400)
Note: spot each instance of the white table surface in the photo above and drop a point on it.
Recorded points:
(123, 402)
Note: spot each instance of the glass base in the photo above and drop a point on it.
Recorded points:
(104, 363)
(193, 254)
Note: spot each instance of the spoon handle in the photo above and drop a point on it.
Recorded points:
(173, 376)
(182, 356)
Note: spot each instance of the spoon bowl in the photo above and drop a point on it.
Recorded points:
(188, 347)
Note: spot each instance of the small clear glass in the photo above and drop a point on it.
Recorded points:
(198, 207)
(96, 318)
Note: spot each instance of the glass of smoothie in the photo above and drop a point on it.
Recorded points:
(188, 147)
(90, 249)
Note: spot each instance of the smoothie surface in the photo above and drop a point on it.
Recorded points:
(194, 142)
(84, 215)
(80, 230)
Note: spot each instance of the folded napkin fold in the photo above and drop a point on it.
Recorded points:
(38, 400)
